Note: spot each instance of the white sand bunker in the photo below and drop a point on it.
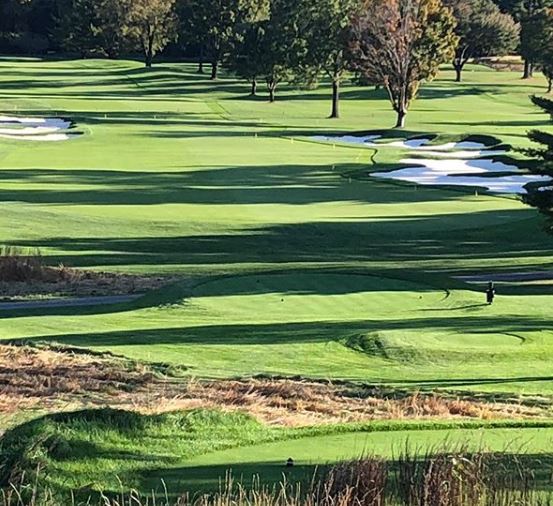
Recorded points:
(369, 141)
(496, 177)
(463, 163)
(35, 129)
(463, 149)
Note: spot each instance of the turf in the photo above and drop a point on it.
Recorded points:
(109, 451)
(295, 262)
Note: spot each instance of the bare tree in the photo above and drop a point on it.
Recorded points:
(400, 43)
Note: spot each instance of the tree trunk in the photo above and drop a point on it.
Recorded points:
(214, 70)
(401, 114)
(201, 61)
(271, 86)
(458, 72)
(460, 59)
(335, 99)
(149, 58)
(149, 50)
(528, 70)
(253, 92)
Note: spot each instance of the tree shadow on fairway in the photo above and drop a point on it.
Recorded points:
(460, 308)
(301, 332)
(212, 478)
(119, 83)
(506, 123)
(469, 382)
(284, 184)
(446, 240)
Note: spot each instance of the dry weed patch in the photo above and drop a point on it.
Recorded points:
(24, 274)
(43, 378)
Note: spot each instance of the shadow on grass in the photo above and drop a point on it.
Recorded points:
(283, 333)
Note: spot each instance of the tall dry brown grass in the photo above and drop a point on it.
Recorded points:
(18, 264)
(445, 479)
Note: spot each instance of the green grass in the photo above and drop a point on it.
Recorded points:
(108, 450)
(291, 268)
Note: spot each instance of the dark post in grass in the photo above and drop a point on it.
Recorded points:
(490, 293)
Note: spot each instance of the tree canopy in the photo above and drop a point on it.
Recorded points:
(152, 24)
(542, 197)
(483, 30)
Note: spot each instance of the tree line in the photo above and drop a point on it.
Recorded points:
(394, 44)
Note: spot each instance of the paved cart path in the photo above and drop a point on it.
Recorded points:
(69, 302)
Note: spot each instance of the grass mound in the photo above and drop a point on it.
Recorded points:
(92, 449)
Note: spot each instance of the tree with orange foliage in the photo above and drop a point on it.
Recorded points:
(401, 43)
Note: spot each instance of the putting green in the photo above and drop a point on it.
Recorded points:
(323, 449)
(299, 296)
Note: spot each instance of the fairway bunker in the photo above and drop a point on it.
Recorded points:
(493, 176)
(464, 163)
(36, 129)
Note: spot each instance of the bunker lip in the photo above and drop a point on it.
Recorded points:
(41, 129)
(460, 154)
(422, 143)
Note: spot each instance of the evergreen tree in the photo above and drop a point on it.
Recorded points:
(527, 13)
(542, 197)
(544, 51)
(531, 14)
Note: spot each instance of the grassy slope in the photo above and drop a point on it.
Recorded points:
(171, 178)
(106, 450)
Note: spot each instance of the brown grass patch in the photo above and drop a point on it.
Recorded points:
(24, 274)
(47, 379)
(293, 403)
